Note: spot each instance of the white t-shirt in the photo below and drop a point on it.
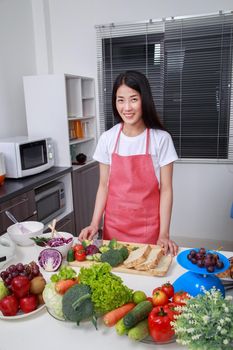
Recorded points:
(161, 147)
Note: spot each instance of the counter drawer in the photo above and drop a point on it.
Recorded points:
(22, 207)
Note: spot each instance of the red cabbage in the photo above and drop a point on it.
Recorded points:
(50, 259)
(58, 241)
(91, 249)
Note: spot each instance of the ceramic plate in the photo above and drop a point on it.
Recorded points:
(188, 265)
(54, 316)
(149, 340)
(21, 314)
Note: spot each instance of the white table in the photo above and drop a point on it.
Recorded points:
(41, 331)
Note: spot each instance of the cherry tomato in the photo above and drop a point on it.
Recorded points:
(159, 325)
(180, 297)
(159, 298)
(20, 286)
(78, 247)
(80, 255)
(9, 305)
(168, 289)
(28, 303)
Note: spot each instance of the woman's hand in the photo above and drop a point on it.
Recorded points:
(88, 232)
(168, 246)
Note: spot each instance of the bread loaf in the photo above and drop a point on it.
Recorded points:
(163, 266)
(137, 256)
(152, 260)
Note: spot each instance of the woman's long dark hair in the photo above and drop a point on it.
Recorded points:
(137, 81)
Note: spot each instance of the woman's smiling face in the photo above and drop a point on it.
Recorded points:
(129, 105)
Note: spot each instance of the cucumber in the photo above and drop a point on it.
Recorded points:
(70, 255)
(120, 327)
(140, 331)
(139, 313)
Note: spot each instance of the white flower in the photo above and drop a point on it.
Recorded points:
(226, 309)
(221, 321)
(219, 328)
(227, 319)
(223, 331)
(205, 318)
(229, 297)
(190, 330)
(225, 341)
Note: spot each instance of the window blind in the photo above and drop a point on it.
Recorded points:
(188, 62)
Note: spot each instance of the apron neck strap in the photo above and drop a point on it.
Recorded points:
(117, 139)
(147, 139)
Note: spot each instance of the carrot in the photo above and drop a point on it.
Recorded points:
(63, 285)
(112, 317)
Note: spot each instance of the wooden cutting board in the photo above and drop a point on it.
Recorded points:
(160, 270)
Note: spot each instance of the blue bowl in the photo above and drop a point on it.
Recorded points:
(188, 265)
(192, 283)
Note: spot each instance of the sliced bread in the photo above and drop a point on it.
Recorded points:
(152, 259)
(163, 266)
(137, 256)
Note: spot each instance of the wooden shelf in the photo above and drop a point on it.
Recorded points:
(85, 139)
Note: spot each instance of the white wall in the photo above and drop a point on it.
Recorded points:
(202, 193)
(16, 59)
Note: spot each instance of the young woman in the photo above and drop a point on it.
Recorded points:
(136, 164)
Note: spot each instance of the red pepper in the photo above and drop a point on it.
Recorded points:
(80, 255)
(159, 325)
(9, 305)
(28, 303)
(171, 310)
(78, 247)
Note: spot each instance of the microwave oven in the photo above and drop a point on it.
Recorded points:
(50, 201)
(26, 156)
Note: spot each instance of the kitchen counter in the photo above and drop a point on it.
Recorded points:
(42, 331)
(14, 187)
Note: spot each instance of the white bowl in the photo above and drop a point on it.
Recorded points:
(63, 249)
(22, 238)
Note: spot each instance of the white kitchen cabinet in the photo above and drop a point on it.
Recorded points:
(62, 106)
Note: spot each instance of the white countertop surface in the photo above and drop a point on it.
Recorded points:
(41, 331)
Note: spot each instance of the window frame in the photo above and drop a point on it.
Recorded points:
(147, 28)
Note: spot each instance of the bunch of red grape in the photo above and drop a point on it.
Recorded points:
(30, 270)
(202, 258)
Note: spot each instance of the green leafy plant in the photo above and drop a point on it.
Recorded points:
(206, 322)
(108, 290)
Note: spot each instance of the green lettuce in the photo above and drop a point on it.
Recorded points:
(108, 290)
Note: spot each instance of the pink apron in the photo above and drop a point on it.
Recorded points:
(132, 208)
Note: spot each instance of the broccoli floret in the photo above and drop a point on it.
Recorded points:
(113, 244)
(124, 252)
(104, 248)
(77, 304)
(113, 257)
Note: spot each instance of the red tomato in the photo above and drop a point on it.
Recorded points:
(9, 305)
(159, 298)
(180, 297)
(20, 286)
(159, 325)
(168, 289)
(171, 310)
(78, 247)
(28, 303)
(150, 299)
(155, 290)
(80, 255)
